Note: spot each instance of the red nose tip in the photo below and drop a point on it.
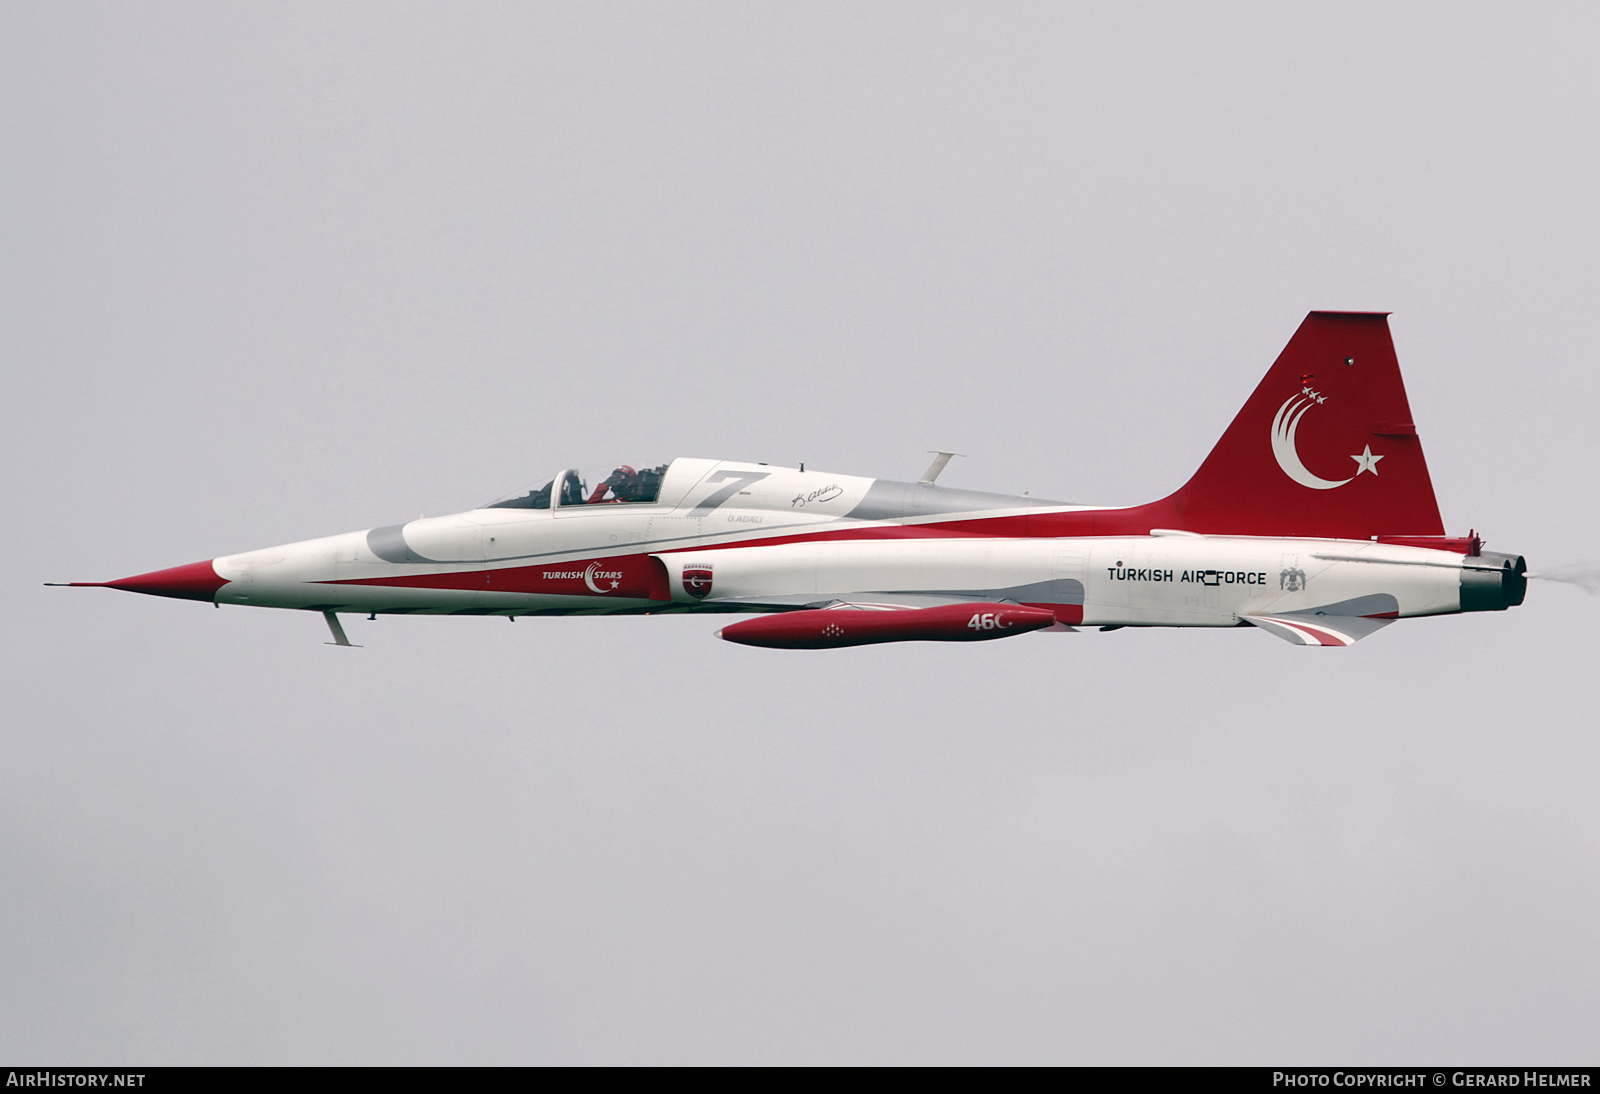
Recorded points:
(196, 581)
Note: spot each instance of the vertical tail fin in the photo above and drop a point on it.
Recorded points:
(1324, 447)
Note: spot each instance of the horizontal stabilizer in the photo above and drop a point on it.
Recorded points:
(1341, 624)
(1316, 629)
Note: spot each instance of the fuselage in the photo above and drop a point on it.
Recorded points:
(720, 536)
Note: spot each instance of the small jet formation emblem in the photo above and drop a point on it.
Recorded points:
(1265, 534)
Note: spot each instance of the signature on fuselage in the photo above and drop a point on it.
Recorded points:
(817, 496)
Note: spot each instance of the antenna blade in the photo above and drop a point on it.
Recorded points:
(940, 459)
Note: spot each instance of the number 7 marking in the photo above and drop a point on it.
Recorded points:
(740, 479)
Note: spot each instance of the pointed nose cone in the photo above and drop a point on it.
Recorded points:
(196, 581)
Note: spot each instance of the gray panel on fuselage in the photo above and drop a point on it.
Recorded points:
(1059, 590)
(390, 545)
(1054, 591)
(889, 500)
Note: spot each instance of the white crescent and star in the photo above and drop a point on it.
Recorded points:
(1284, 426)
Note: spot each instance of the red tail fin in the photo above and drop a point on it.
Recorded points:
(1324, 447)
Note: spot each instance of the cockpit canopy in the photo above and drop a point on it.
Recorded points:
(623, 485)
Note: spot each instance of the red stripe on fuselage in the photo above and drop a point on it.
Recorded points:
(1079, 523)
(632, 573)
(627, 576)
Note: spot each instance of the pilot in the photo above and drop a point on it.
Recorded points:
(646, 484)
(620, 484)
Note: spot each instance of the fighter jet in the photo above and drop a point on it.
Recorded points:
(1313, 519)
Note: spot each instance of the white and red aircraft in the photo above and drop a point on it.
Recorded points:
(1313, 519)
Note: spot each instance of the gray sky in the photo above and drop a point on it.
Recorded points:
(277, 271)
